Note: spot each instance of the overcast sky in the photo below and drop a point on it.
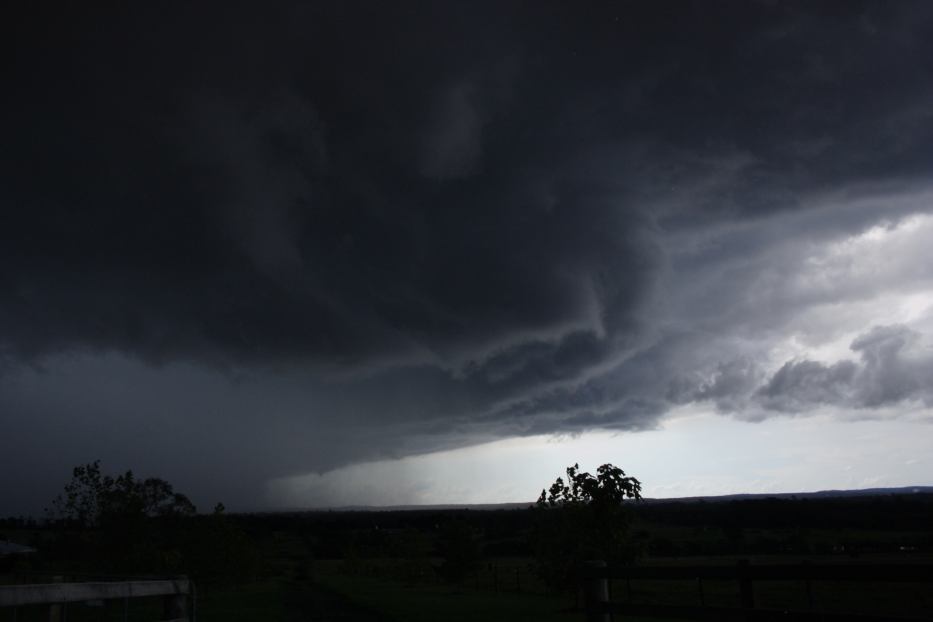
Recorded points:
(305, 254)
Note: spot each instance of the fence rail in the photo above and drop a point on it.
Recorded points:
(174, 591)
(600, 608)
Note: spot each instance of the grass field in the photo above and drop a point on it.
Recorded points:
(491, 594)
(504, 589)
(384, 566)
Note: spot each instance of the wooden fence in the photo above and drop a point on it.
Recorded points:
(175, 593)
(599, 607)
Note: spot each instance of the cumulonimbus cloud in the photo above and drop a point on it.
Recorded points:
(532, 223)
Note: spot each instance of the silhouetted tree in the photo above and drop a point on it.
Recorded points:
(584, 518)
(92, 499)
(124, 524)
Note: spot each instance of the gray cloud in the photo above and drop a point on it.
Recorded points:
(339, 233)
(452, 145)
(799, 385)
(895, 365)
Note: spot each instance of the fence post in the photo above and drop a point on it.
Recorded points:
(807, 583)
(595, 591)
(175, 606)
(55, 610)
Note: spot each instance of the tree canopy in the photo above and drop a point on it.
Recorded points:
(609, 487)
(93, 498)
(584, 518)
(126, 524)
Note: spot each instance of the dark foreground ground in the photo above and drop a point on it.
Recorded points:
(376, 566)
(311, 602)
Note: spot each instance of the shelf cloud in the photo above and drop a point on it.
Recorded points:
(288, 242)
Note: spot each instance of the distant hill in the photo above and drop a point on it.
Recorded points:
(411, 508)
(821, 494)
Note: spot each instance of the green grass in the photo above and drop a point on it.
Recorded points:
(475, 599)
(424, 602)
(372, 585)
(254, 601)
(355, 596)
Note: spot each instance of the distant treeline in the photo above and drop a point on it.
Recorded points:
(766, 525)
(231, 547)
(889, 512)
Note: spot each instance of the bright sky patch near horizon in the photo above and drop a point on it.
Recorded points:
(692, 454)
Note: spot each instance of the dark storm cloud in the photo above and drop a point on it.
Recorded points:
(289, 215)
(443, 222)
